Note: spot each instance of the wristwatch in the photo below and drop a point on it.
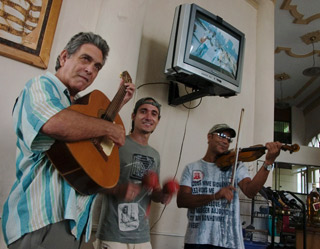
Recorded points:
(268, 167)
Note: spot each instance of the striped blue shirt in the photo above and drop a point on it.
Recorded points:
(40, 196)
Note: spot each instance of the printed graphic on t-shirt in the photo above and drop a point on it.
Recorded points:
(128, 216)
(197, 175)
(140, 164)
(217, 223)
(217, 211)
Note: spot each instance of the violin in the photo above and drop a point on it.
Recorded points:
(227, 159)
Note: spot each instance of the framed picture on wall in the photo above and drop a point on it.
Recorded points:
(27, 29)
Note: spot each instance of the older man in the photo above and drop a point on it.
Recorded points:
(43, 210)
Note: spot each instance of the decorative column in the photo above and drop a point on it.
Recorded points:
(264, 91)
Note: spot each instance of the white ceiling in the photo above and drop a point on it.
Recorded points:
(295, 19)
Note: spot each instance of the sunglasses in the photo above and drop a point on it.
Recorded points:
(222, 135)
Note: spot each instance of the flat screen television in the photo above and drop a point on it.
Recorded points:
(205, 52)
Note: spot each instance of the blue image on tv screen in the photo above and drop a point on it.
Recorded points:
(215, 46)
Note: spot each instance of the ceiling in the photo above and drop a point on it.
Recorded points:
(297, 22)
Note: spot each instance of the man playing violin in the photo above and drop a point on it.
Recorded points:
(212, 202)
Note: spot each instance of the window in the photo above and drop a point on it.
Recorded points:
(296, 178)
(282, 125)
(302, 180)
(282, 132)
(315, 141)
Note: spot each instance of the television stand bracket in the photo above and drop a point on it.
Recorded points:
(175, 99)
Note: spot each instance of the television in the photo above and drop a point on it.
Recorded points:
(205, 53)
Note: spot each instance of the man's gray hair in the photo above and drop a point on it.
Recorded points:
(83, 38)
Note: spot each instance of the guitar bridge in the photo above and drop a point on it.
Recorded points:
(103, 145)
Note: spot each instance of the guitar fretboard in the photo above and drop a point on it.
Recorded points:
(115, 104)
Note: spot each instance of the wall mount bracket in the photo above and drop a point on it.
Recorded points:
(175, 99)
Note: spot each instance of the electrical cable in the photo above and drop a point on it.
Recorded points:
(182, 142)
(194, 107)
(153, 83)
(179, 159)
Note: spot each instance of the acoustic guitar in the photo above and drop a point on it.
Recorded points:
(91, 165)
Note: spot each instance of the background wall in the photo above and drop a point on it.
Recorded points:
(312, 118)
(298, 126)
(138, 33)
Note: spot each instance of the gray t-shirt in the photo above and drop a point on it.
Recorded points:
(127, 222)
(217, 223)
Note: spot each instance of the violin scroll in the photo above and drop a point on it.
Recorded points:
(291, 148)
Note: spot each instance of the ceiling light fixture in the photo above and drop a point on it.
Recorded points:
(281, 103)
(312, 71)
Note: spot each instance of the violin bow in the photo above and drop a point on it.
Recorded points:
(234, 167)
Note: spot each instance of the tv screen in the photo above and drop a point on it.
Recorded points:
(214, 47)
(205, 52)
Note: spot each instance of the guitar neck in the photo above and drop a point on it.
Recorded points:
(114, 106)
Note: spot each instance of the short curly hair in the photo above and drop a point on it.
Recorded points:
(83, 38)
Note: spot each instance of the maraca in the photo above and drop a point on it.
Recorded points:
(171, 187)
(150, 180)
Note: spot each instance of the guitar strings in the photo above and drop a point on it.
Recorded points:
(114, 105)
